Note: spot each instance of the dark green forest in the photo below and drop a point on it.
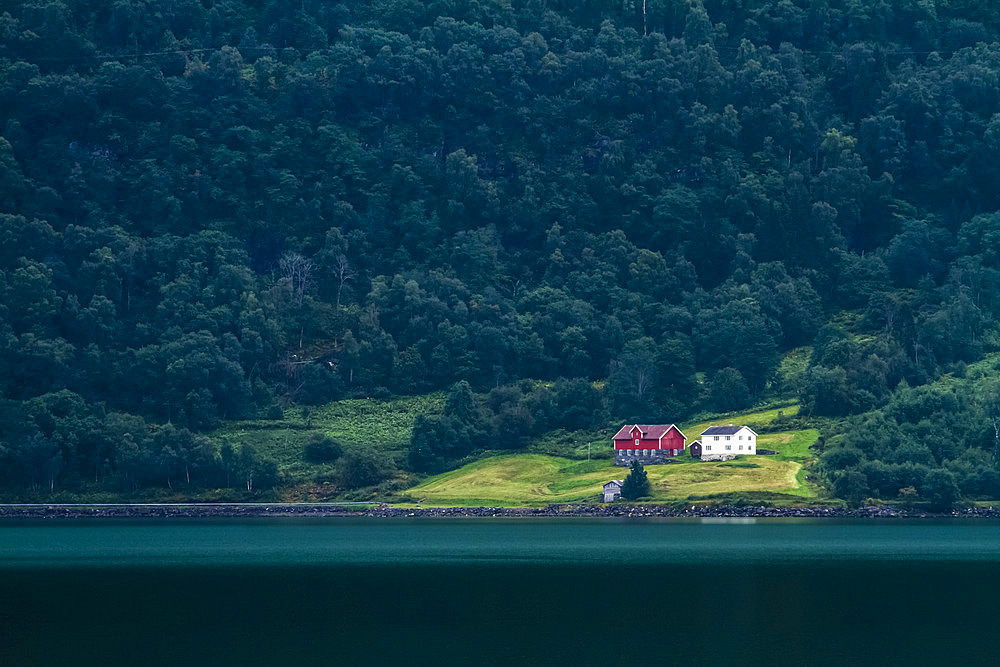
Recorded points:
(215, 209)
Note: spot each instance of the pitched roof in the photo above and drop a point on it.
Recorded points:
(725, 430)
(619, 482)
(649, 431)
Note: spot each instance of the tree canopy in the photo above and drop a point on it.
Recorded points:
(214, 210)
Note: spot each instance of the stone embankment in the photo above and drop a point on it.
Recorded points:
(235, 510)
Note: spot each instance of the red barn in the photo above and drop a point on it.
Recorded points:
(647, 443)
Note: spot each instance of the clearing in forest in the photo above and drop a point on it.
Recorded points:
(534, 480)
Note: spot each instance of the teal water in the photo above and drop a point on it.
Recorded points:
(311, 592)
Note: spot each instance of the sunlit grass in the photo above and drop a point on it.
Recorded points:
(754, 420)
(535, 480)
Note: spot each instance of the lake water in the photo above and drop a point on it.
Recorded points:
(499, 592)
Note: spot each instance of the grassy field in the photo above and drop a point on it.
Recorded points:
(535, 480)
(755, 420)
(553, 468)
(596, 444)
(358, 424)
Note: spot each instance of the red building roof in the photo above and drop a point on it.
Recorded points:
(649, 431)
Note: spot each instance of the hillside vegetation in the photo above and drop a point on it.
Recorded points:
(566, 215)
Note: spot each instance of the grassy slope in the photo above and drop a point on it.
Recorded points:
(756, 420)
(358, 424)
(553, 468)
(533, 479)
(596, 444)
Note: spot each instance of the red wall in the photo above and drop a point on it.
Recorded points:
(643, 444)
(672, 440)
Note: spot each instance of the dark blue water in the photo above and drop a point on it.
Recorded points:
(289, 592)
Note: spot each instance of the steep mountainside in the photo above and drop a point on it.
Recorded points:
(212, 210)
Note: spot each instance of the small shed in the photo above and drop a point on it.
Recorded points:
(613, 490)
(696, 449)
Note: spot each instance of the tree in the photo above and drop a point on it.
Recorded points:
(360, 469)
(908, 496)
(632, 381)
(343, 272)
(228, 460)
(727, 390)
(988, 393)
(940, 490)
(852, 486)
(636, 484)
(258, 473)
(461, 403)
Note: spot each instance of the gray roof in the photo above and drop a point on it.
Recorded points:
(615, 481)
(722, 430)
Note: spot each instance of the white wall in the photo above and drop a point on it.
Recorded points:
(716, 444)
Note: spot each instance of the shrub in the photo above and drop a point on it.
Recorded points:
(358, 470)
(322, 449)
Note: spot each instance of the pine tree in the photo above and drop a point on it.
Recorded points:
(636, 484)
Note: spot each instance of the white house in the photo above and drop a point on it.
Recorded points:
(613, 490)
(726, 442)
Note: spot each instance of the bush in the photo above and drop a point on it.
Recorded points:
(322, 449)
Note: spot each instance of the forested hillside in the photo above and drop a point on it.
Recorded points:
(214, 210)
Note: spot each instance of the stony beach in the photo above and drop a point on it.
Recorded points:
(235, 510)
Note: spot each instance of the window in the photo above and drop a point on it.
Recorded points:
(728, 447)
(741, 437)
(637, 442)
(741, 448)
(715, 437)
(729, 437)
(708, 448)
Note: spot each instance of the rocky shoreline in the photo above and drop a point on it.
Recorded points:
(166, 511)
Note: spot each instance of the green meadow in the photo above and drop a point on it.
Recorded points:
(538, 480)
